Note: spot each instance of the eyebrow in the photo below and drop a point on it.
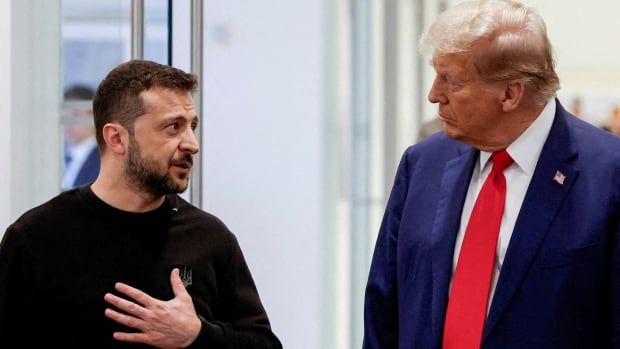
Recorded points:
(180, 118)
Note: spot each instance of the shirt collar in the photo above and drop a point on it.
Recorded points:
(526, 149)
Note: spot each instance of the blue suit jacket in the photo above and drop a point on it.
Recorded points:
(559, 286)
(89, 170)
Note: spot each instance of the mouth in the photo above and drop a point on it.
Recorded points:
(445, 119)
(185, 164)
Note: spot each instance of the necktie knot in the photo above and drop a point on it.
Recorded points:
(501, 160)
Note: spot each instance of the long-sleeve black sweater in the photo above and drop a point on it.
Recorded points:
(58, 261)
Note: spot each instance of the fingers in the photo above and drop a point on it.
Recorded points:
(123, 319)
(165, 324)
(177, 284)
(135, 294)
(131, 337)
(125, 305)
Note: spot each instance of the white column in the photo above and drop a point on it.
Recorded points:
(31, 149)
(5, 112)
(336, 201)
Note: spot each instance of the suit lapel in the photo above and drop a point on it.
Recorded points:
(454, 185)
(543, 198)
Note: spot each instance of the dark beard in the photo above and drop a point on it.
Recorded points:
(143, 172)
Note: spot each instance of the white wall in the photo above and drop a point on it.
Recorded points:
(262, 146)
(30, 99)
(5, 112)
(35, 106)
(584, 35)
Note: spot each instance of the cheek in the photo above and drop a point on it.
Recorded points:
(466, 116)
(158, 155)
(460, 109)
(162, 150)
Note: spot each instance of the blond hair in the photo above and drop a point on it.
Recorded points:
(508, 42)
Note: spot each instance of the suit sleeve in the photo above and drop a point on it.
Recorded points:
(243, 323)
(381, 303)
(615, 275)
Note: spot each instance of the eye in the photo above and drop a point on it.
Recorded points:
(454, 84)
(173, 127)
(450, 80)
(194, 125)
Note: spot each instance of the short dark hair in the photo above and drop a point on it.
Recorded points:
(118, 96)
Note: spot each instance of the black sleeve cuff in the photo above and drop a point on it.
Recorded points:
(211, 335)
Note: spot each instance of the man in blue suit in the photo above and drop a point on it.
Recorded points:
(82, 158)
(554, 275)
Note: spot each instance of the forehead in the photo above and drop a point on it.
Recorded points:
(455, 64)
(160, 99)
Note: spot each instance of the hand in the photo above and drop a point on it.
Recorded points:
(162, 324)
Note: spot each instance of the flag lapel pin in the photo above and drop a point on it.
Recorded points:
(559, 177)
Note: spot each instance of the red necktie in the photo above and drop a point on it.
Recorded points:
(467, 305)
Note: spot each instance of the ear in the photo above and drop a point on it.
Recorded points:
(116, 138)
(513, 95)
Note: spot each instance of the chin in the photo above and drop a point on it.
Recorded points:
(182, 185)
(453, 132)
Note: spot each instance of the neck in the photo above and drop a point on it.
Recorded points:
(114, 190)
(503, 135)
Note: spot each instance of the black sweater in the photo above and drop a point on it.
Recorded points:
(59, 259)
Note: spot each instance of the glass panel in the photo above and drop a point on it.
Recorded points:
(156, 31)
(96, 37)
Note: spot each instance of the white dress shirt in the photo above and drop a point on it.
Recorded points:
(525, 151)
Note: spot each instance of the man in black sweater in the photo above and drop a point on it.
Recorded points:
(126, 262)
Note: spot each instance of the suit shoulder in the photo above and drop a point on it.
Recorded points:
(594, 141)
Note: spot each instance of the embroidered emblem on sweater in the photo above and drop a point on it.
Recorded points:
(185, 271)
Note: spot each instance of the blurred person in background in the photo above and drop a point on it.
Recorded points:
(576, 107)
(81, 151)
(429, 128)
(503, 231)
(613, 122)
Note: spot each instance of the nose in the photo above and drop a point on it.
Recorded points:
(436, 94)
(189, 143)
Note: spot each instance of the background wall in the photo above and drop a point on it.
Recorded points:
(262, 146)
(585, 38)
(30, 103)
(5, 112)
